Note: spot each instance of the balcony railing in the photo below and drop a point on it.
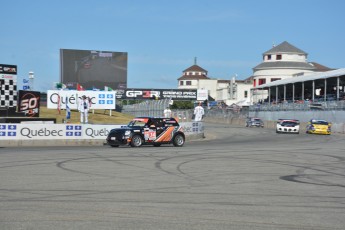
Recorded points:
(304, 106)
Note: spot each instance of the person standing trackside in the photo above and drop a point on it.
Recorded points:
(83, 108)
(198, 112)
(167, 112)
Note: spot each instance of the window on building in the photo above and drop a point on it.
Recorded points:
(279, 57)
(269, 57)
(262, 81)
(275, 79)
(181, 82)
(188, 82)
(245, 94)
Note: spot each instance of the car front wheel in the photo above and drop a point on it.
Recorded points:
(178, 140)
(136, 141)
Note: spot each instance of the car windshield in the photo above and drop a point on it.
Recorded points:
(288, 123)
(257, 120)
(320, 122)
(139, 123)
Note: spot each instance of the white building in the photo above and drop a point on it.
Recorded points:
(282, 62)
(227, 91)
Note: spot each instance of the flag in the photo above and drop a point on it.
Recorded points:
(60, 85)
(107, 88)
(59, 104)
(68, 110)
(79, 87)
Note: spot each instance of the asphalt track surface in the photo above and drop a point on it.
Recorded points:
(236, 178)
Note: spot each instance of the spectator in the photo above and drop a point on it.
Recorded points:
(199, 112)
(167, 112)
(83, 108)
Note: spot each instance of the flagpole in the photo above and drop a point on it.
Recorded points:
(59, 104)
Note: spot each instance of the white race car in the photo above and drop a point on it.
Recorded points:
(287, 126)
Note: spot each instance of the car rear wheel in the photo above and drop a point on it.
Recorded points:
(136, 141)
(178, 140)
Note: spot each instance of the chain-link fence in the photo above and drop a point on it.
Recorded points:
(155, 108)
(226, 113)
(152, 108)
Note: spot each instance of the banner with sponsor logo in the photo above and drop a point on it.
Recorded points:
(54, 131)
(8, 69)
(72, 131)
(29, 103)
(145, 94)
(97, 99)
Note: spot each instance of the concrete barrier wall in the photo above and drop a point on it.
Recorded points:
(336, 117)
(72, 134)
(270, 119)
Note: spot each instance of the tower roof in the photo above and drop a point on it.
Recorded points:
(285, 47)
(195, 68)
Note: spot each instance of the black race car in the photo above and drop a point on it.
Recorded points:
(147, 130)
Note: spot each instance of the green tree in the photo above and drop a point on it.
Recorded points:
(182, 105)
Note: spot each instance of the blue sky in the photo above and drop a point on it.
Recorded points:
(162, 37)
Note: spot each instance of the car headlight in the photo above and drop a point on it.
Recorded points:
(127, 132)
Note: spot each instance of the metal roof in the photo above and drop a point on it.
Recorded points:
(285, 47)
(285, 65)
(311, 77)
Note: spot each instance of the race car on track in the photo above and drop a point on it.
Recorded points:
(315, 126)
(254, 121)
(287, 126)
(147, 130)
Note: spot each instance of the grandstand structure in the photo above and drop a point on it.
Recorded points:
(323, 88)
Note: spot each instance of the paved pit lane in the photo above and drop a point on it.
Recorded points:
(237, 178)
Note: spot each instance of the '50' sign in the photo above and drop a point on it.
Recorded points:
(29, 101)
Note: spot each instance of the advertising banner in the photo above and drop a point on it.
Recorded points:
(29, 103)
(202, 94)
(145, 94)
(8, 69)
(97, 99)
(72, 131)
(54, 131)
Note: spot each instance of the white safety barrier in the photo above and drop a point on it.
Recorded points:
(21, 131)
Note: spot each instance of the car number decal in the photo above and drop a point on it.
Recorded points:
(150, 135)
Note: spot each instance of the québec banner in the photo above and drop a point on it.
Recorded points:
(97, 99)
(72, 131)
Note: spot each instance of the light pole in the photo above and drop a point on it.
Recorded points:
(31, 80)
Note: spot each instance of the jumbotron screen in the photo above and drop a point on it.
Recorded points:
(93, 69)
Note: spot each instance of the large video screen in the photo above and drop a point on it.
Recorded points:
(93, 69)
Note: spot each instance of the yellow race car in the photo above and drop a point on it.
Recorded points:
(318, 127)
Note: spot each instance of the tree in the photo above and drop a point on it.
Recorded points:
(182, 105)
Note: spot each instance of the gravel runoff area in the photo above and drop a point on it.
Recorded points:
(235, 178)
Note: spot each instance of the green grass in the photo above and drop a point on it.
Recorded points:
(98, 117)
